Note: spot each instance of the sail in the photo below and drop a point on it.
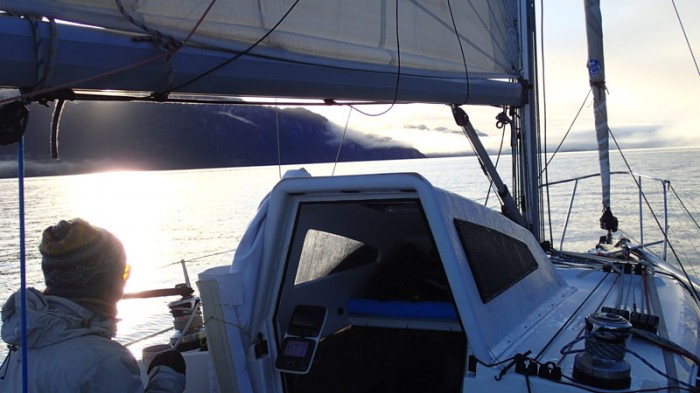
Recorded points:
(421, 41)
(596, 73)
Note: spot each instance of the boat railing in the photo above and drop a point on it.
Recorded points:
(639, 177)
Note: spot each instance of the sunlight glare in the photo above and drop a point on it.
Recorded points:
(123, 203)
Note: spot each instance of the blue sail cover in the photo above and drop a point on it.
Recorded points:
(317, 48)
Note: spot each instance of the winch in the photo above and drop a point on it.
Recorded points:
(602, 364)
(188, 323)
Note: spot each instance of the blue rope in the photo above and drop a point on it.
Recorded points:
(663, 374)
(22, 263)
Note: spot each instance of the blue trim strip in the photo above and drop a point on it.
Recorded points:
(402, 309)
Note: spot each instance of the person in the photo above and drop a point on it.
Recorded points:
(71, 324)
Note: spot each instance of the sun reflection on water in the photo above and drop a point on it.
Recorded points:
(138, 207)
(163, 218)
(123, 203)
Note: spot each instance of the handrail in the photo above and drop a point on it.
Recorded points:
(580, 178)
(665, 184)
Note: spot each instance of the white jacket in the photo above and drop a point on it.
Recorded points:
(70, 349)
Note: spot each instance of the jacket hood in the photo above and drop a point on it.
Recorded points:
(51, 319)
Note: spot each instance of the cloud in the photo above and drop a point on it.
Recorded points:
(629, 137)
(8, 168)
(363, 138)
(440, 129)
(421, 127)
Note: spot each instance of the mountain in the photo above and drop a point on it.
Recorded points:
(96, 136)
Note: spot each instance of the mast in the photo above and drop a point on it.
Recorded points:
(530, 180)
(596, 75)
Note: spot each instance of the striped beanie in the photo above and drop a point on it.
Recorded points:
(82, 261)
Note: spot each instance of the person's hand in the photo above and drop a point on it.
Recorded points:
(172, 359)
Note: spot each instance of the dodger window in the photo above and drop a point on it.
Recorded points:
(322, 254)
(497, 261)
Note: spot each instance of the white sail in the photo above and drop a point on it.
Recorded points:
(419, 41)
(596, 72)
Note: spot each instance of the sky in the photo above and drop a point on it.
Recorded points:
(653, 84)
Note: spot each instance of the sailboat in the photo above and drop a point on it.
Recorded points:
(377, 283)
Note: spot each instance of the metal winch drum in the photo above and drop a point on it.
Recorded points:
(602, 364)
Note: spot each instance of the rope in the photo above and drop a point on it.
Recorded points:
(225, 322)
(197, 258)
(234, 58)
(598, 347)
(461, 48)
(161, 36)
(44, 66)
(71, 84)
(694, 292)
(158, 333)
(342, 139)
(567, 131)
(55, 121)
(656, 370)
(193, 313)
(172, 45)
(398, 67)
(687, 41)
(502, 120)
(683, 205)
(571, 317)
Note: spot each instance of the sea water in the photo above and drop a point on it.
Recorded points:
(195, 218)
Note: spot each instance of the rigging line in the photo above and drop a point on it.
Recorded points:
(571, 317)
(583, 104)
(142, 26)
(157, 33)
(498, 158)
(342, 139)
(461, 49)
(193, 314)
(238, 55)
(576, 384)
(158, 333)
(71, 84)
(646, 301)
(630, 290)
(197, 258)
(44, 69)
(600, 304)
(68, 85)
(656, 370)
(694, 291)
(683, 204)
(398, 67)
(621, 292)
(687, 41)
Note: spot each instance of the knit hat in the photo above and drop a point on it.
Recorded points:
(82, 261)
